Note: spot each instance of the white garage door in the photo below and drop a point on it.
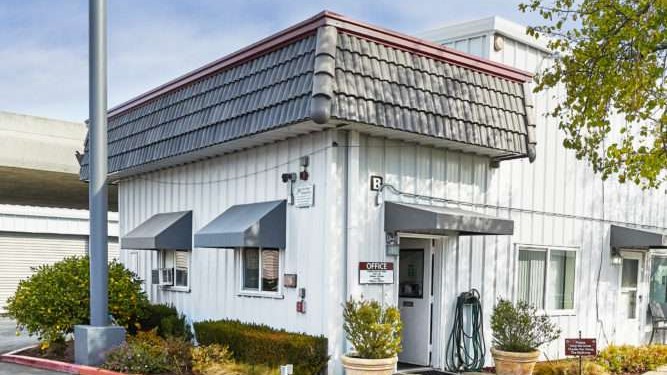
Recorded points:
(19, 252)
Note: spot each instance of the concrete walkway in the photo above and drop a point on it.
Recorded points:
(662, 370)
(8, 342)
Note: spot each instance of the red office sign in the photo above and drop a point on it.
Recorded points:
(581, 347)
(376, 273)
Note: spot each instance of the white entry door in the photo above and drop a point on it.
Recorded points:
(414, 300)
(631, 300)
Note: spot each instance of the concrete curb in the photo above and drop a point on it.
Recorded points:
(49, 364)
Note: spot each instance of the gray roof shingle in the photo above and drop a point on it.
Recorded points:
(379, 85)
(326, 72)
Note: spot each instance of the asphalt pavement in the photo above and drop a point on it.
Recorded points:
(10, 341)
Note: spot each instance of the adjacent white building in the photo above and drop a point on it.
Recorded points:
(336, 159)
(561, 205)
(43, 216)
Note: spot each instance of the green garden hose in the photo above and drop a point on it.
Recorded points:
(465, 350)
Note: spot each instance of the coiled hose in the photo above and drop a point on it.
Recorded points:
(465, 350)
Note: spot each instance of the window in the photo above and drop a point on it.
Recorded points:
(260, 270)
(546, 277)
(659, 279)
(178, 263)
(411, 274)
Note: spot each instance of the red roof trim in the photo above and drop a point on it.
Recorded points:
(307, 27)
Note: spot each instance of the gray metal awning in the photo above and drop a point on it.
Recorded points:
(169, 231)
(422, 219)
(260, 224)
(630, 238)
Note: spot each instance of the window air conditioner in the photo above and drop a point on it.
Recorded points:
(163, 276)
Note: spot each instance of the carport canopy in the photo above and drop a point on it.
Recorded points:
(630, 238)
(164, 231)
(435, 220)
(260, 224)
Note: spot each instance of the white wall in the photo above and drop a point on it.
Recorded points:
(31, 236)
(208, 188)
(555, 201)
(48, 220)
(558, 200)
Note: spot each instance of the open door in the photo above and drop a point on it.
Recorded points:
(415, 300)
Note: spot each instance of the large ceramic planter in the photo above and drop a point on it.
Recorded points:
(510, 363)
(362, 366)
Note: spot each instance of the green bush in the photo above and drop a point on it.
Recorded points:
(519, 328)
(568, 367)
(632, 359)
(56, 298)
(148, 353)
(260, 344)
(234, 368)
(166, 319)
(373, 330)
(206, 357)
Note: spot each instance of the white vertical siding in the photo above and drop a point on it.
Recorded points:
(474, 45)
(208, 188)
(558, 200)
(554, 201)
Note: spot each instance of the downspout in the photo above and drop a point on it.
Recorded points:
(346, 225)
(531, 122)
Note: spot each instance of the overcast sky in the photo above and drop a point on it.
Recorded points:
(43, 44)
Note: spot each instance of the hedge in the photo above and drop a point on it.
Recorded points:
(166, 319)
(261, 344)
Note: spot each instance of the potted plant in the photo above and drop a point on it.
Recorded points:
(375, 332)
(518, 331)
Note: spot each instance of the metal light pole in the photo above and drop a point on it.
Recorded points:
(97, 188)
(91, 342)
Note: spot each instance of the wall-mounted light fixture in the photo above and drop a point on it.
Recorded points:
(616, 258)
(393, 244)
(304, 162)
(289, 179)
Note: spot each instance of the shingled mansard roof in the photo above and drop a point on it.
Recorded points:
(323, 72)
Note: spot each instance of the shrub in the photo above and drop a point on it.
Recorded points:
(373, 330)
(519, 328)
(205, 357)
(166, 319)
(632, 359)
(233, 368)
(260, 344)
(568, 367)
(148, 353)
(56, 298)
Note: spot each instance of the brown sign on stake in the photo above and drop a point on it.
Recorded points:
(581, 347)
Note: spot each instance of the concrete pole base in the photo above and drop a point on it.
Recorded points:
(91, 344)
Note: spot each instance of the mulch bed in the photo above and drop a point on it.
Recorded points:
(62, 352)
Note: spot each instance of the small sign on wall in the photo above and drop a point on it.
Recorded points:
(304, 195)
(289, 280)
(376, 183)
(376, 273)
